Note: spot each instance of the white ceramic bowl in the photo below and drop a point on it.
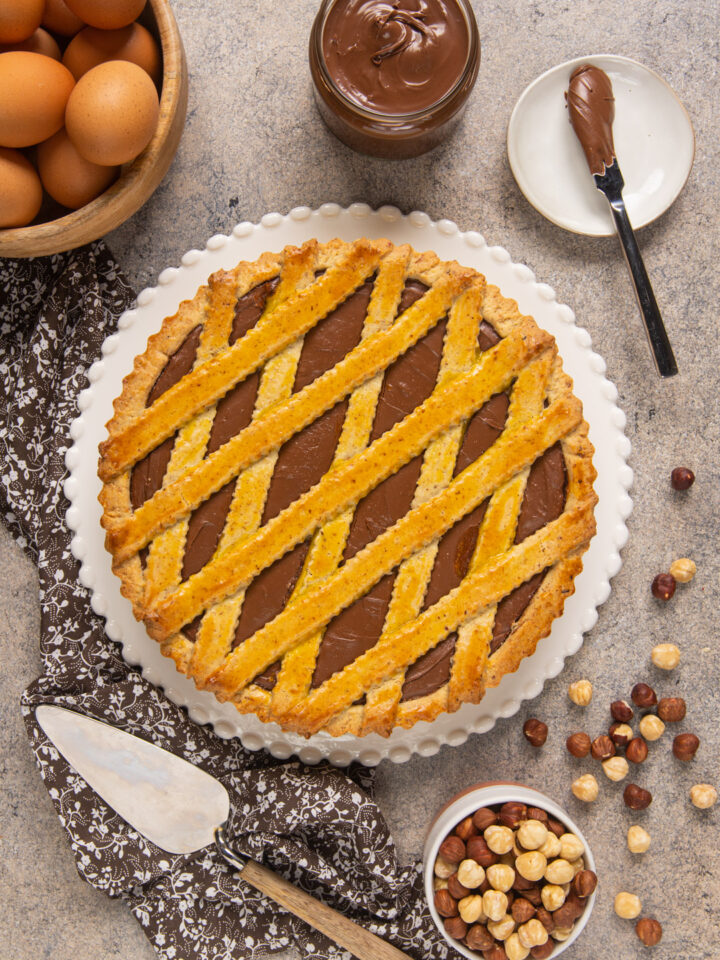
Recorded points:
(489, 795)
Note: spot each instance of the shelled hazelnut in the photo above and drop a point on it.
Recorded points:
(638, 840)
(456, 927)
(571, 847)
(466, 829)
(585, 883)
(443, 868)
(542, 952)
(479, 938)
(580, 692)
(471, 908)
(621, 711)
(602, 747)
(536, 732)
(615, 768)
(663, 586)
(636, 751)
(514, 950)
(470, 874)
(586, 788)
(621, 734)
(643, 695)
(703, 796)
(682, 478)
(636, 798)
(651, 727)
(478, 850)
(683, 569)
(685, 746)
(578, 744)
(672, 709)
(499, 839)
(484, 818)
(627, 905)
(445, 905)
(455, 888)
(666, 656)
(649, 931)
(452, 849)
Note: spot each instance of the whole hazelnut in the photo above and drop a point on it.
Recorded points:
(444, 868)
(532, 934)
(682, 478)
(703, 796)
(455, 888)
(616, 768)
(685, 746)
(499, 839)
(514, 950)
(478, 937)
(535, 731)
(484, 818)
(627, 905)
(496, 952)
(543, 951)
(636, 798)
(602, 747)
(531, 865)
(580, 692)
(556, 827)
(440, 884)
(466, 829)
(621, 711)
(649, 931)
(621, 734)
(495, 904)
(643, 695)
(545, 918)
(502, 928)
(533, 895)
(672, 709)
(511, 813)
(532, 834)
(455, 927)
(683, 569)
(651, 727)
(585, 788)
(578, 744)
(470, 874)
(584, 883)
(537, 813)
(638, 840)
(637, 750)
(559, 871)
(478, 850)
(553, 897)
(666, 656)
(551, 848)
(471, 908)
(452, 849)
(445, 905)
(501, 876)
(522, 910)
(571, 846)
(663, 586)
(563, 917)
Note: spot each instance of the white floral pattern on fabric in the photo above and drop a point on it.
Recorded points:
(317, 826)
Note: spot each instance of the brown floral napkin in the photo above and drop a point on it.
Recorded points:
(317, 826)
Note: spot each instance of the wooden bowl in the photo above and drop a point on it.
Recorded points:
(137, 180)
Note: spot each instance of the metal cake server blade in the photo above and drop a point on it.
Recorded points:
(181, 809)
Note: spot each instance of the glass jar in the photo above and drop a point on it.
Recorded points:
(385, 134)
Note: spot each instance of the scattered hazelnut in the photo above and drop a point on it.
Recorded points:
(443, 868)
(671, 709)
(636, 798)
(621, 734)
(585, 883)
(649, 931)
(471, 908)
(522, 910)
(643, 696)
(703, 795)
(494, 904)
(637, 750)
(559, 871)
(665, 655)
(638, 840)
(551, 848)
(500, 876)
(455, 927)
(511, 814)
(445, 905)
(514, 950)
(663, 586)
(616, 768)
(478, 850)
(682, 478)
(602, 747)
(479, 938)
(685, 746)
(532, 934)
(535, 731)
(470, 874)
(484, 818)
(627, 905)
(621, 711)
(651, 727)
(578, 744)
(502, 928)
(585, 788)
(532, 834)
(499, 839)
(580, 692)
(452, 849)
(531, 865)
(553, 897)
(571, 847)
(683, 569)
(542, 952)
(466, 829)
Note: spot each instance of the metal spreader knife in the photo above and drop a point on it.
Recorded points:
(180, 809)
(592, 110)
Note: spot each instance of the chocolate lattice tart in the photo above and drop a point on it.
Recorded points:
(347, 487)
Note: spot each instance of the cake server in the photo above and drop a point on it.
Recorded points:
(592, 110)
(181, 808)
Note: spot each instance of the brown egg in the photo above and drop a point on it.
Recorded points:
(107, 14)
(19, 19)
(39, 42)
(69, 178)
(60, 19)
(112, 113)
(92, 46)
(33, 93)
(20, 189)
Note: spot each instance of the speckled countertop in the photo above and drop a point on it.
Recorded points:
(254, 143)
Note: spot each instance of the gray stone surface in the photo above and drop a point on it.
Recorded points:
(254, 143)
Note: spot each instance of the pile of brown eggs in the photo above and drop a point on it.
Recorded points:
(78, 98)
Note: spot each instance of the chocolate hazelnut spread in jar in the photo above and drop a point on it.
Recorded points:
(392, 77)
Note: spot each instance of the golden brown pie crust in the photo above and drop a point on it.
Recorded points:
(365, 696)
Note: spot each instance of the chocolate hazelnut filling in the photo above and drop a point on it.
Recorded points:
(307, 456)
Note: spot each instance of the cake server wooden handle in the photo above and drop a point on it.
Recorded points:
(359, 941)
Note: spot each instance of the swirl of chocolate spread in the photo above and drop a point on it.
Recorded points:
(395, 56)
(592, 110)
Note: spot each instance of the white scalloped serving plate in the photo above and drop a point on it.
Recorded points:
(601, 562)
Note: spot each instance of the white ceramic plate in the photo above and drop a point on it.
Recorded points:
(653, 136)
(247, 242)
